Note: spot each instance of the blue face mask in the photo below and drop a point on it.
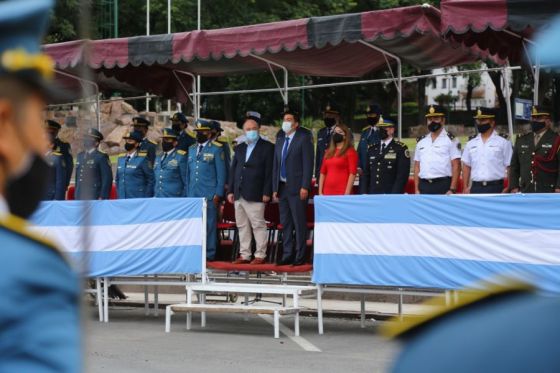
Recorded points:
(252, 135)
(286, 126)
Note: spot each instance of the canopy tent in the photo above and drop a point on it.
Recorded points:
(348, 45)
(498, 26)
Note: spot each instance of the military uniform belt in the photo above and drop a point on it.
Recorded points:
(436, 180)
(487, 183)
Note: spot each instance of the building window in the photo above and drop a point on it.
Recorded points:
(444, 83)
(454, 82)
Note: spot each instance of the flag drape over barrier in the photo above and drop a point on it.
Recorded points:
(446, 242)
(127, 237)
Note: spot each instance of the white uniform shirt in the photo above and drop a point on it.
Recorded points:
(435, 156)
(488, 161)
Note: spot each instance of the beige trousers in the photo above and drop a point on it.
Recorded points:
(249, 218)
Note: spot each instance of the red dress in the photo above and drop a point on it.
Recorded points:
(337, 170)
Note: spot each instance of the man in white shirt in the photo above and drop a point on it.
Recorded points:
(437, 157)
(486, 157)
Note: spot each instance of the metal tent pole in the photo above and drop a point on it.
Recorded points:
(269, 62)
(194, 96)
(97, 100)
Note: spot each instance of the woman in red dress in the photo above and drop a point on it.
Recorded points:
(340, 164)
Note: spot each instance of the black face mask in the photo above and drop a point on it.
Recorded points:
(176, 127)
(383, 134)
(372, 121)
(25, 192)
(129, 146)
(482, 128)
(89, 143)
(434, 127)
(537, 126)
(338, 138)
(329, 122)
(201, 138)
(166, 146)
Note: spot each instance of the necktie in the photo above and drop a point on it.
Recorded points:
(284, 156)
(382, 148)
(127, 159)
(164, 157)
(200, 147)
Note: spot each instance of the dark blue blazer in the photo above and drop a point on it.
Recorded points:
(252, 179)
(299, 162)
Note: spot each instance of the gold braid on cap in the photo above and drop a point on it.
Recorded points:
(18, 59)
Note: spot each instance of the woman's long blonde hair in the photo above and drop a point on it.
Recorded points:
(331, 151)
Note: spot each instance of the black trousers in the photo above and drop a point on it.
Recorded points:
(293, 216)
(491, 187)
(434, 186)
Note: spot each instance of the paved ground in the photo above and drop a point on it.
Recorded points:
(132, 342)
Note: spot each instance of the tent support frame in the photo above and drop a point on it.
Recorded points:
(284, 91)
(195, 97)
(97, 104)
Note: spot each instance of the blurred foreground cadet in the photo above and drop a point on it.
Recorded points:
(503, 329)
(39, 308)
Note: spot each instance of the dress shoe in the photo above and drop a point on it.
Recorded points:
(241, 261)
(258, 261)
(285, 262)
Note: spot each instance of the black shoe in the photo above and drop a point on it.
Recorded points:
(299, 262)
(285, 262)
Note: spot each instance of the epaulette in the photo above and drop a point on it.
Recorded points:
(420, 138)
(409, 326)
(472, 137)
(451, 136)
(399, 142)
(191, 134)
(504, 135)
(18, 226)
(366, 128)
(153, 142)
(122, 155)
(101, 151)
(142, 154)
(523, 134)
(218, 144)
(181, 152)
(57, 154)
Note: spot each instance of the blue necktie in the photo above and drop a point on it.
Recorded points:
(284, 156)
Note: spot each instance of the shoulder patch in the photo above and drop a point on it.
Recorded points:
(420, 138)
(19, 226)
(181, 152)
(218, 144)
(467, 299)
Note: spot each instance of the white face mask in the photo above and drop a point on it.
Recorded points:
(286, 127)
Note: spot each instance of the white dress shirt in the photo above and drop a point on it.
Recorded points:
(488, 160)
(435, 156)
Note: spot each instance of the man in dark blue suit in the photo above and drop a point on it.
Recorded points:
(331, 117)
(291, 183)
(250, 188)
(94, 174)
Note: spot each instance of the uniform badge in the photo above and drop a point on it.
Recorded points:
(207, 157)
(390, 156)
(407, 153)
(173, 162)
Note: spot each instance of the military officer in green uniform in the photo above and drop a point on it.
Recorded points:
(535, 164)
(207, 178)
(39, 310)
(62, 147)
(388, 163)
(141, 125)
(180, 124)
(56, 187)
(94, 174)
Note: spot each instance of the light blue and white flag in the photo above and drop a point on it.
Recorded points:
(446, 242)
(127, 237)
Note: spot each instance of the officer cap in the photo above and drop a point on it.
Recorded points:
(133, 135)
(541, 111)
(485, 113)
(140, 121)
(254, 115)
(169, 133)
(92, 132)
(53, 124)
(203, 125)
(215, 126)
(179, 117)
(435, 111)
(22, 26)
(331, 108)
(385, 122)
(373, 110)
